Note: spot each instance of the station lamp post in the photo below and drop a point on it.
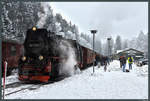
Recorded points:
(93, 32)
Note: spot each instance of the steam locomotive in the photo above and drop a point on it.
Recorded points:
(43, 58)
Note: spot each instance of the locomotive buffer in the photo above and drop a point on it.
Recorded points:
(93, 32)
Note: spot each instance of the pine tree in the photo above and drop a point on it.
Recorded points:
(50, 23)
(125, 44)
(105, 47)
(17, 17)
(118, 43)
(7, 23)
(98, 46)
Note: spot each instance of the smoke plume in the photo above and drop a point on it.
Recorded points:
(42, 15)
(68, 64)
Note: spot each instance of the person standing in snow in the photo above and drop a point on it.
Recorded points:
(102, 61)
(120, 59)
(98, 61)
(123, 63)
(108, 60)
(130, 61)
(105, 63)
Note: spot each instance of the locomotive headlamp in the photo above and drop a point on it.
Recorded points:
(34, 28)
(41, 57)
(24, 58)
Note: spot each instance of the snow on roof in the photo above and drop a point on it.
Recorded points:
(85, 43)
(118, 51)
(11, 40)
(138, 56)
(130, 50)
(61, 33)
(81, 41)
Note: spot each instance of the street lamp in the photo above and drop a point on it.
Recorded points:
(93, 32)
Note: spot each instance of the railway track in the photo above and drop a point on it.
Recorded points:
(32, 87)
(13, 85)
(29, 87)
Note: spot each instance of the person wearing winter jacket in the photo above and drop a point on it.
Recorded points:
(105, 63)
(120, 59)
(130, 61)
(123, 63)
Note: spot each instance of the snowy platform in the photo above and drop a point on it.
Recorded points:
(113, 84)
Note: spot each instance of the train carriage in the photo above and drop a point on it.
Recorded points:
(11, 52)
(88, 57)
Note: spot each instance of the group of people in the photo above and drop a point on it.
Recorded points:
(104, 61)
(123, 59)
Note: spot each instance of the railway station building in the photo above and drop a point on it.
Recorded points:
(136, 54)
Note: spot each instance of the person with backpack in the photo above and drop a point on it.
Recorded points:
(130, 61)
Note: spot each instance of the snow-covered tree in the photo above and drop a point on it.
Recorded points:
(142, 42)
(6, 21)
(50, 21)
(105, 48)
(58, 18)
(98, 46)
(118, 43)
(17, 17)
(76, 32)
(125, 44)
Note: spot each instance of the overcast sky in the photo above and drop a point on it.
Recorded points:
(109, 18)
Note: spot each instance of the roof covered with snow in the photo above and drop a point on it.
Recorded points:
(128, 50)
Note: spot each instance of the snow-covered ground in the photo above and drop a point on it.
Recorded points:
(113, 84)
(11, 79)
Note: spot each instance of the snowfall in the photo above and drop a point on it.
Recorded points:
(112, 84)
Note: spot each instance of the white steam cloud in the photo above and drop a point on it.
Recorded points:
(43, 16)
(69, 63)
